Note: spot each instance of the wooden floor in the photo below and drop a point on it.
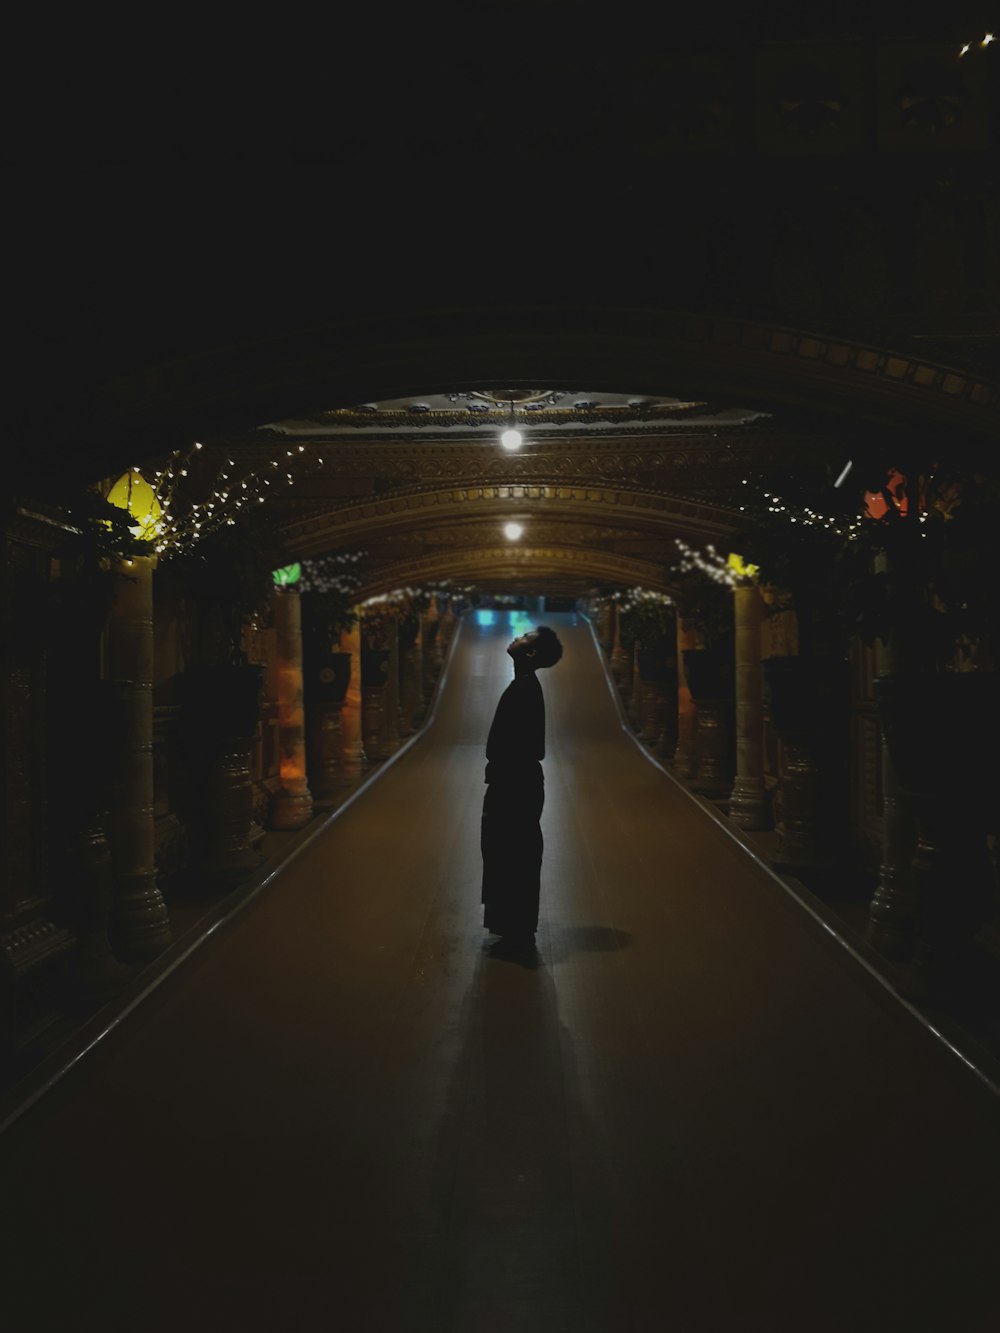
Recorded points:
(696, 1112)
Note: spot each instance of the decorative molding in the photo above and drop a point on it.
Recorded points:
(353, 524)
(510, 566)
(371, 358)
(346, 420)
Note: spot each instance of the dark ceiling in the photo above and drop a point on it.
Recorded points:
(515, 199)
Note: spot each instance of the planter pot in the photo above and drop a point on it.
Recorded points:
(807, 702)
(711, 672)
(326, 676)
(374, 667)
(941, 733)
(224, 701)
(805, 693)
(656, 665)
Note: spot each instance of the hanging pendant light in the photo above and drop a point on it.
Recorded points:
(512, 438)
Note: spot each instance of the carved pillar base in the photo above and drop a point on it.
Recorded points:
(951, 879)
(232, 852)
(683, 757)
(894, 909)
(293, 808)
(352, 754)
(713, 775)
(656, 725)
(33, 967)
(325, 776)
(892, 914)
(684, 751)
(747, 801)
(101, 972)
(140, 925)
(411, 698)
(374, 726)
(748, 804)
(430, 662)
(798, 828)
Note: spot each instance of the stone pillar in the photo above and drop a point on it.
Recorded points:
(894, 910)
(378, 697)
(293, 806)
(325, 749)
(687, 709)
(621, 663)
(431, 649)
(140, 926)
(606, 618)
(807, 707)
(747, 802)
(635, 694)
(446, 627)
(658, 728)
(352, 754)
(38, 737)
(234, 836)
(713, 774)
(411, 696)
(391, 715)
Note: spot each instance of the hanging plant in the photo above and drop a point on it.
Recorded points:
(703, 603)
(909, 555)
(650, 619)
(229, 575)
(329, 587)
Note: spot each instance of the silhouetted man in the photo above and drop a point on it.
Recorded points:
(511, 837)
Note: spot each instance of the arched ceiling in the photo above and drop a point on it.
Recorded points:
(604, 484)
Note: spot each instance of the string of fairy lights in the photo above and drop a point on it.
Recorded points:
(336, 572)
(399, 598)
(182, 521)
(634, 598)
(727, 570)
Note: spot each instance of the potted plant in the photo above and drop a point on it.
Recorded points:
(329, 586)
(648, 623)
(704, 605)
(927, 589)
(806, 564)
(228, 576)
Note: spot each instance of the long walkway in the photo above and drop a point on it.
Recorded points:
(696, 1112)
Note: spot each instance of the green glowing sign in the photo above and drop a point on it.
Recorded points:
(287, 575)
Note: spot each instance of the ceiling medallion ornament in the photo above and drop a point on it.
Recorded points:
(504, 397)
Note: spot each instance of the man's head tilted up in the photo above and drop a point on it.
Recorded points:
(538, 648)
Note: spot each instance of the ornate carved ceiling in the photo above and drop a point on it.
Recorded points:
(602, 486)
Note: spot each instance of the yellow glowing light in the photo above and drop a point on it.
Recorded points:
(740, 568)
(133, 493)
(987, 39)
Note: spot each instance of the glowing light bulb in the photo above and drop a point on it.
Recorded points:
(511, 439)
(512, 531)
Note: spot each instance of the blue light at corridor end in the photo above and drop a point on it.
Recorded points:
(520, 623)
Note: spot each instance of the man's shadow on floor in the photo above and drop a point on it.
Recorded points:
(557, 944)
